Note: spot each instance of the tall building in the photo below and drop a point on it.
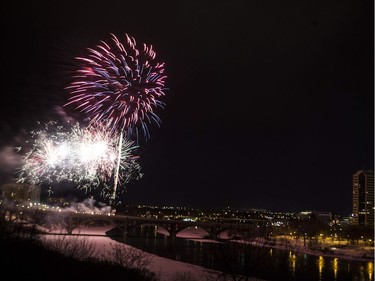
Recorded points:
(363, 198)
(20, 193)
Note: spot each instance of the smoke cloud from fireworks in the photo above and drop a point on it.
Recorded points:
(85, 156)
(9, 161)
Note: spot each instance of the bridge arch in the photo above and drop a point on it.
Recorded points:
(125, 223)
(94, 220)
(132, 228)
(201, 232)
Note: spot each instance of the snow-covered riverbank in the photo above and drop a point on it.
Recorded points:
(165, 269)
(168, 269)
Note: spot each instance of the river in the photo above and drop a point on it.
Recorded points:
(264, 263)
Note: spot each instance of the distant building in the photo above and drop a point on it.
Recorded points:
(363, 198)
(304, 215)
(57, 201)
(323, 216)
(21, 193)
(344, 220)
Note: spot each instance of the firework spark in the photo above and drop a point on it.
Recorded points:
(87, 157)
(120, 85)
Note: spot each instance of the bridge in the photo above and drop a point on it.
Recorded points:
(126, 224)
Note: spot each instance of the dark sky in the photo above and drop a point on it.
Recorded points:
(270, 103)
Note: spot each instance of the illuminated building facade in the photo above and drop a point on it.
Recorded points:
(363, 198)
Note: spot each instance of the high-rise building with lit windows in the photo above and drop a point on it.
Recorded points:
(363, 198)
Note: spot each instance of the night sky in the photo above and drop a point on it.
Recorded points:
(270, 103)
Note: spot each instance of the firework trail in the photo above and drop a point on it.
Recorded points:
(120, 85)
(85, 156)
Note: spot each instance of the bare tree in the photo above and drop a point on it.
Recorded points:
(129, 257)
(79, 248)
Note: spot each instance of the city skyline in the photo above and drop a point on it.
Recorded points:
(268, 105)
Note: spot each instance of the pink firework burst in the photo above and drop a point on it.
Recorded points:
(120, 85)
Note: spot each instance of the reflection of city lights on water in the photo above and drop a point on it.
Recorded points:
(361, 272)
(292, 262)
(335, 267)
(370, 270)
(320, 266)
(348, 268)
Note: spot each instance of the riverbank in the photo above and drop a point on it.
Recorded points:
(342, 250)
(165, 269)
(332, 250)
(172, 270)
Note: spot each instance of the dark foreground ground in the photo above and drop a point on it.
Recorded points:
(28, 259)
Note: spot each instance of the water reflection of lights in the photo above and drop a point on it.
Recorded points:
(370, 270)
(292, 262)
(335, 266)
(320, 266)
